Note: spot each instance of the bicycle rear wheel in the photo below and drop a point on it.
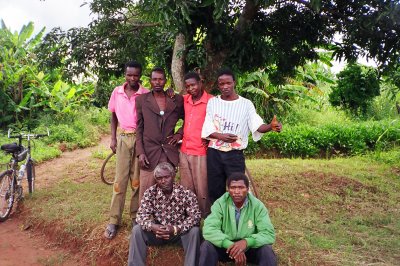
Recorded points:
(30, 173)
(6, 194)
(107, 172)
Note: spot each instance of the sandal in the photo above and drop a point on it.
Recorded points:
(111, 231)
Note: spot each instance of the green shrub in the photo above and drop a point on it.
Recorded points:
(356, 87)
(328, 140)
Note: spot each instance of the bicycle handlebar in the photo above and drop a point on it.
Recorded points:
(27, 135)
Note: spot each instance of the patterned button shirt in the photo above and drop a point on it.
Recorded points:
(180, 209)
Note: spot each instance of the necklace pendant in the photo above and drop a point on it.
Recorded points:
(162, 113)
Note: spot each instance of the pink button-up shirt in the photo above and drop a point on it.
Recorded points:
(195, 114)
(124, 107)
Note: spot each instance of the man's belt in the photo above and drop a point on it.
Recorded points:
(125, 132)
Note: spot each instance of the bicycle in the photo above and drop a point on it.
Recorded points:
(107, 171)
(11, 190)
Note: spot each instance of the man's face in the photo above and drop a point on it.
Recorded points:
(165, 181)
(238, 191)
(193, 87)
(157, 81)
(226, 85)
(132, 76)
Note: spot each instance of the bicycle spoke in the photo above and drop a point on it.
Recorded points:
(6, 196)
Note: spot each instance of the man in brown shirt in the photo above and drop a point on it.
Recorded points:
(168, 213)
(157, 115)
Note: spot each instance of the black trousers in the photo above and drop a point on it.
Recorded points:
(210, 255)
(219, 166)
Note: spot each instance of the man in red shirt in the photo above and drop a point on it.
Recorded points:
(192, 158)
(123, 119)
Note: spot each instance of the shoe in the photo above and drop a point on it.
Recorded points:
(111, 231)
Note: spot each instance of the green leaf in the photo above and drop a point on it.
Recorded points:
(40, 75)
(25, 33)
(56, 88)
(207, 3)
(71, 93)
(25, 99)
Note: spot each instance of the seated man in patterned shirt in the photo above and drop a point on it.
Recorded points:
(168, 213)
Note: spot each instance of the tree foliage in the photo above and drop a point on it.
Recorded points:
(355, 89)
(25, 90)
(242, 34)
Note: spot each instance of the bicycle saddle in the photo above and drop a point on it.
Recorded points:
(11, 148)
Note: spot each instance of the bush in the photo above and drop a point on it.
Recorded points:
(355, 89)
(328, 140)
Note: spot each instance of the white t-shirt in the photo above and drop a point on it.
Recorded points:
(237, 117)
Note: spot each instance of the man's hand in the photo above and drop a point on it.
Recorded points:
(113, 145)
(237, 249)
(174, 139)
(205, 142)
(275, 124)
(162, 231)
(240, 259)
(170, 92)
(227, 137)
(143, 161)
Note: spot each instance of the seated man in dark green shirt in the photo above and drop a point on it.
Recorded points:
(238, 228)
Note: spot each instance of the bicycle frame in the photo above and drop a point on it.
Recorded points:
(11, 179)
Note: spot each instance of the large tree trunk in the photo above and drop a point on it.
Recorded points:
(178, 62)
(216, 59)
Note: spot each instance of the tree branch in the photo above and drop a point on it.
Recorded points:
(249, 12)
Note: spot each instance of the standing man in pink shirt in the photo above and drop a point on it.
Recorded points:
(122, 105)
(192, 158)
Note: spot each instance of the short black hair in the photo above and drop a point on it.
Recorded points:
(237, 176)
(133, 64)
(159, 70)
(192, 75)
(226, 71)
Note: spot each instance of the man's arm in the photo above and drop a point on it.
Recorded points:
(264, 128)
(212, 229)
(143, 161)
(145, 212)
(257, 126)
(175, 138)
(266, 231)
(113, 124)
(192, 211)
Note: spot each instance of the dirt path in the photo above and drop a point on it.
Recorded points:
(19, 246)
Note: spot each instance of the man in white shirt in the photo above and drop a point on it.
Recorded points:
(229, 120)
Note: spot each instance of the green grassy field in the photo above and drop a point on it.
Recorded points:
(343, 211)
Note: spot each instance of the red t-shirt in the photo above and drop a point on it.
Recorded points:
(195, 114)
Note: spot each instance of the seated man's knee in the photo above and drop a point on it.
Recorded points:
(194, 231)
(136, 230)
(206, 247)
(267, 255)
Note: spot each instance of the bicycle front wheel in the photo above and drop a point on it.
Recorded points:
(6, 194)
(107, 172)
(30, 173)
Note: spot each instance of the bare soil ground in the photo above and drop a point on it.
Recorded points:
(21, 246)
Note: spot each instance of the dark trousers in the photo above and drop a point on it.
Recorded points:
(219, 166)
(210, 255)
(140, 239)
